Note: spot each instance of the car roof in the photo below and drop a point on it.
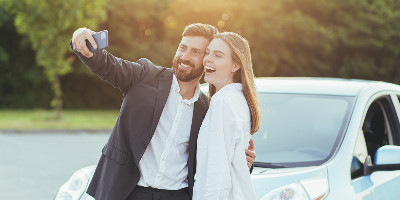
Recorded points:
(318, 85)
(324, 86)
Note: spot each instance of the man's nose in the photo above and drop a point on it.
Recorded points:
(185, 55)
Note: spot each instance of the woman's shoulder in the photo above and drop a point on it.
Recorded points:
(233, 89)
(229, 96)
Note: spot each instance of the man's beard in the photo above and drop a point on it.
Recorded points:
(186, 76)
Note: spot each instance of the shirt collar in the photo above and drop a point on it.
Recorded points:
(177, 89)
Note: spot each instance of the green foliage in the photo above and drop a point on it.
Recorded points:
(136, 29)
(22, 84)
(343, 38)
(352, 39)
(95, 94)
(49, 25)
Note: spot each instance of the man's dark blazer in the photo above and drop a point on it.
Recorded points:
(145, 88)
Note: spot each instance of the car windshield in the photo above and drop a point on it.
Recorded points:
(299, 130)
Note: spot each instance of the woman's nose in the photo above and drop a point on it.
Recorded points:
(207, 58)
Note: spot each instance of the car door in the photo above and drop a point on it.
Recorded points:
(380, 127)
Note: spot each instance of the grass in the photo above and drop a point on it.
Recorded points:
(45, 119)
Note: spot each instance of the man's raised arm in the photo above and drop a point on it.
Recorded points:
(121, 74)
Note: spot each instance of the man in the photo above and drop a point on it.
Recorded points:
(152, 149)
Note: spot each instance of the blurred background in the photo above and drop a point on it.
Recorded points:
(45, 88)
(343, 38)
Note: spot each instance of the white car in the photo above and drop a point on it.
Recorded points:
(320, 138)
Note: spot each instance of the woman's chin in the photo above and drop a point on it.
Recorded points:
(208, 80)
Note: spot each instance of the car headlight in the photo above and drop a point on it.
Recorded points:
(312, 189)
(76, 186)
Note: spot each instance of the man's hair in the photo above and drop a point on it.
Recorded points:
(206, 30)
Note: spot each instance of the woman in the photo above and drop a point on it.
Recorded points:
(222, 171)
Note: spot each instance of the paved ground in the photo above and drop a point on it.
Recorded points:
(34, 165)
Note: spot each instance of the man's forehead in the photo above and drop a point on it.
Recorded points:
(198, 42)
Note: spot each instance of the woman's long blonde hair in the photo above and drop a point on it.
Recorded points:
(241, 55)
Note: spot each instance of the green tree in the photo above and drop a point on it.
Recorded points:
(136, 29)
(22, 84)
(361, 38)
(343, 38)
(352, 38)
(49, 25)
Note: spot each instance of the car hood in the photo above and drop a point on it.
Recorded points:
(267, 179)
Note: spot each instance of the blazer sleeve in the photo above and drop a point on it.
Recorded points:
(120, 73)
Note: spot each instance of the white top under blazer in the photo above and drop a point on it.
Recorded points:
(164, 163)
(221, 171)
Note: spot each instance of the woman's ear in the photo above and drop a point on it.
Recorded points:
(235, 67)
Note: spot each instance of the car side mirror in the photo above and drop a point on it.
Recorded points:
(387, 158)
(387, 155)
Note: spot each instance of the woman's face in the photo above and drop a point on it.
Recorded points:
(218, 64)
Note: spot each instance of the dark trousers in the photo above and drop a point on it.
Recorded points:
(148, 193)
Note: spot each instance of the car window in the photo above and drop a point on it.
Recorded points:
(379, 128)
(300, 130)
(396, 134)
(380, 125)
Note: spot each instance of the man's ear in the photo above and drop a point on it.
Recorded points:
(235, 67)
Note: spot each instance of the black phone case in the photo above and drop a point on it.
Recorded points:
(101, 39)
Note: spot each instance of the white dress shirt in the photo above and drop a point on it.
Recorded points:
(164, 162)
(222, 171)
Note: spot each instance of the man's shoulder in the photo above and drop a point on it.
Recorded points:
(147, 63)
(151, 68)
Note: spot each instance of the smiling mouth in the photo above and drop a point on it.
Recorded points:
(209, 69)
(184, 66)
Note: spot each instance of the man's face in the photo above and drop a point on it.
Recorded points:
(188, 59)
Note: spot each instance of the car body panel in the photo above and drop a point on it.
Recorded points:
(378, 185)
(265, 180)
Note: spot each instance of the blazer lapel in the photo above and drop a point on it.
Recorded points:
(164, 86)
(198, 116)
(199, 111)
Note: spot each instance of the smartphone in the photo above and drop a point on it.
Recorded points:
(101, 39)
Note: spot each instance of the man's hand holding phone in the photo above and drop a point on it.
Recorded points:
(87, 41)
